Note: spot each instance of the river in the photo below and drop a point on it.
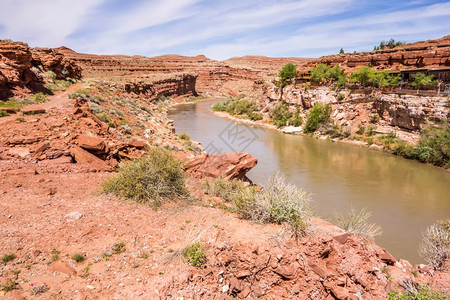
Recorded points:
(404, 196)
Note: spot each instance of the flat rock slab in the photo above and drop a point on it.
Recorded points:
(32, 110)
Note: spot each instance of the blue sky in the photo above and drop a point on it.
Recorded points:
(221, 29)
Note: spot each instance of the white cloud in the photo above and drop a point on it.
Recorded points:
(44, 22)
(219, 29)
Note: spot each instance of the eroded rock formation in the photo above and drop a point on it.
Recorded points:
(22, 69)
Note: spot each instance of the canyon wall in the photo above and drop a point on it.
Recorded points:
(350, 108)
(427, 54)
(23, 69)
(233, 76)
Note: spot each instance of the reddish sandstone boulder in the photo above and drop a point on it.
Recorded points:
(91, 143)
(83, 157)
(227, 165)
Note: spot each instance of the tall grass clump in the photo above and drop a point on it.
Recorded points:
(357, 223)
(435, 248)
(152, 178)
(318, 115)
(280, 202)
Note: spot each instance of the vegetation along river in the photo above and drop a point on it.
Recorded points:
(404, 196)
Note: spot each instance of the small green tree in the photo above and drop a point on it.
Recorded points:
(362, 75)
(421, 80)
(286, 74)
(341, 51)
(319, 73)
(319, 114)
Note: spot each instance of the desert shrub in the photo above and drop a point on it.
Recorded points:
(371, 130)
(389, 138)
(434, 144)
(3, 113)
(404, 149)
(39, 98)
(78, 257)
(281, 115)
(104, 117)
(335, 131)
(318, 115)
(357, 223)
(281, 202)
(416, 291)
(83, 91)
(184, 136)
(8, 257)
(118, 248)
(374, 119)
(361, 129)
(296, 120)
(156, 176)
(222, 105)
(340, 96)
(238, 106)
(255, 116)
(58, 85)
(435, 248)
(8, 286)
(194, 255)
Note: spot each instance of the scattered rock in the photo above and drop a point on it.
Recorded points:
(62, 267)
(75, 215)
(32, 110)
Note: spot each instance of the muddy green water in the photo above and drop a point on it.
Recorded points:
(404, 196)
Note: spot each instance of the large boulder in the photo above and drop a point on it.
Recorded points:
(227, 165)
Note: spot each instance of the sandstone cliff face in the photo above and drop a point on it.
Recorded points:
(408, 112)
(428, 54)
(152, 87)
(233, 76)
(22, 68)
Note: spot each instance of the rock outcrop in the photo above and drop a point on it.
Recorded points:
(22, 69)
(427, 54)
(407, 112)
(227, 165)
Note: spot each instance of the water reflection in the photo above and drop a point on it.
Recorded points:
(405, 196)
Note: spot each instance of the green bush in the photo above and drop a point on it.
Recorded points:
(280, 115)
(78, 257)
(357, 223)
(238, 106)
(194, 255)
(255, 116)
(361, 129)
(8, 257)
(371, 130)
(435, 248)
(39, 98)
(374, 119)
(3, 113)
(417, 292)
(434, 145)
(404, 149)
(318, 115)
(184, 136)
(154, 177)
